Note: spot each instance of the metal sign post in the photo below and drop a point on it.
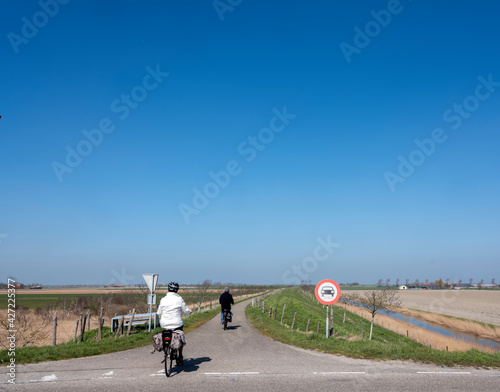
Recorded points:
(151, 281)
(327, 330)
(327, 292)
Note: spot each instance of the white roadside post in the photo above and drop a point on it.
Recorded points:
(327, 292)
(327, 330)
(151, 281)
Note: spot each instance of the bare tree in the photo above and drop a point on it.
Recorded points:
(397, 282)
(471, 280)
(493, 281)
(202, 292)
(407, 281)
(387, 281)
(380, 282)
(417, 282)
(376, 300)
(30, 328)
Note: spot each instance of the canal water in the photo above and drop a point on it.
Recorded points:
(435, 327)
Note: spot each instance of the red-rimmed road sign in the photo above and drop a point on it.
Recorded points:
(327, 292)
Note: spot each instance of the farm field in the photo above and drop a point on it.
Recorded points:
(478, 305)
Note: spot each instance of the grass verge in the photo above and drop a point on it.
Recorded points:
(346, 338)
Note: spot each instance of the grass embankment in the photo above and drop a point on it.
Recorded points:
(346, 339)
(90, 346)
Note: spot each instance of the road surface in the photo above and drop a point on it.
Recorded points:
(241, 359)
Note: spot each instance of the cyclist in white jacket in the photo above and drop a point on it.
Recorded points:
(170, 311)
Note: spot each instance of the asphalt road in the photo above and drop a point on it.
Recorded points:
(242, 359)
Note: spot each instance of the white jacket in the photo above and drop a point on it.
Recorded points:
(170, 311)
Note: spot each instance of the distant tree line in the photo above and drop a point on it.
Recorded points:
(440, 283)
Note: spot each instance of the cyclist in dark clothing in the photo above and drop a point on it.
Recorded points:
(225, 300)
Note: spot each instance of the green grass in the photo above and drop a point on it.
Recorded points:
(41, 300)
(346, 339)
(360, 287)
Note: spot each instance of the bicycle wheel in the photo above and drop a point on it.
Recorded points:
(225, 325)
(168, 362)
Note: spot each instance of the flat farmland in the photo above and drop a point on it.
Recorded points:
(478, 305)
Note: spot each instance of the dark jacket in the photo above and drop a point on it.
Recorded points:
(226, 300)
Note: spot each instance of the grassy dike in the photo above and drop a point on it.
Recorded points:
(346, 339)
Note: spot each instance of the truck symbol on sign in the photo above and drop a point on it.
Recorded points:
(327, 290)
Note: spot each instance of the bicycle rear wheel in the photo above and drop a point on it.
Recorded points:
(168, 362)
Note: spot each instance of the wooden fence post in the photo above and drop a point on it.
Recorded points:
(76, 331)
(345, 305)
(308, 322)
(293, 322)
(275, 311)
(99, 334)
(319, 324)
(82, 327)
(88, 319)
(54, 332)
(270, 311)
(263, 307)
(362, 334)
(283, 313)
(130, 322)
(120, 328)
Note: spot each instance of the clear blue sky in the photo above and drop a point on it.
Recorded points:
(168, 92)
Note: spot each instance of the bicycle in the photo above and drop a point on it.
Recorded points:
(171, 354)
(226, 318)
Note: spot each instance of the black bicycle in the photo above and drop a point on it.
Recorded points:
(171, 354)
(226, 317)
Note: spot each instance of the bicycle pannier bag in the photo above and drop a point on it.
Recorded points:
(158, 341)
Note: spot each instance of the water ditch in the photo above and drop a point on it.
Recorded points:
(445, 331)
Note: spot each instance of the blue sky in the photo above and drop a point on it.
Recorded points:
(305, 113)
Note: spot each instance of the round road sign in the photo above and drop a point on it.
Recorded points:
(327, 292)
